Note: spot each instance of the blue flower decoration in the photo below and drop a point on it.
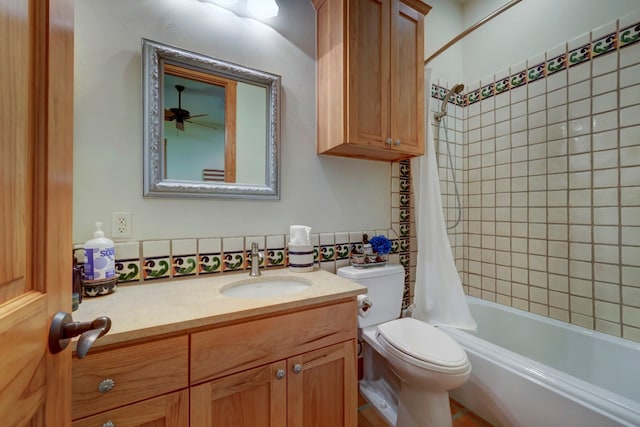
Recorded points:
(380, 244)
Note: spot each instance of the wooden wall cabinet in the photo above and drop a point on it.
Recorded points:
(288, 370)
(371, 78)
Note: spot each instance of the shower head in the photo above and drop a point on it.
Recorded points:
(456, 89)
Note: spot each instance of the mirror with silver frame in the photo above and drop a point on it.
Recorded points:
(211, 127)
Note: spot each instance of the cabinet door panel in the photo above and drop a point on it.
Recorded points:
(369, 72)
(407, 79)
(324, 392)
(171, 410)
(253, 398)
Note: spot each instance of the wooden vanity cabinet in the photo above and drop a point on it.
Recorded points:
(371, 78)
(314, 389)
(294, 369)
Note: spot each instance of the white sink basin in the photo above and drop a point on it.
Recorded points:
(264, 287)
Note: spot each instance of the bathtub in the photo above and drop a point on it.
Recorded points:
(532, 371)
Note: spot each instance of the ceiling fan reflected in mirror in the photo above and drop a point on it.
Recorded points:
(179, 114)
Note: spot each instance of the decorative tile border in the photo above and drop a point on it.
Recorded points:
(233, 261)
(230, 255)
(128, 270)
(572, 56)
(185, 265)
(156, 268)
(629, 35)
(210, 263)
(556, 64)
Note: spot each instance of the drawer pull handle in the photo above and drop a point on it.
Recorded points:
(397, 142)
(297, 368)
(109, 424)
(280, 374)
(389, 141)
(106, 386)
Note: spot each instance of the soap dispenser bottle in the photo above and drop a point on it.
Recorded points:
(100, 257)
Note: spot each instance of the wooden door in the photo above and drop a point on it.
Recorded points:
(368, 84)
(323, 387)
(253, 398)
(407, 77)
(170, 410)
(36, 148)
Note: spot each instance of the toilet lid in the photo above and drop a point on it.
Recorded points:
(423, 342)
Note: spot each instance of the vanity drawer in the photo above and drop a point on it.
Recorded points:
(136, 372)
(168, 410)
(228, 349)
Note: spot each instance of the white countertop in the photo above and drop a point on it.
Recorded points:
(157, 309)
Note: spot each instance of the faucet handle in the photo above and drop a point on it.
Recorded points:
(255, 259)
(254, 248)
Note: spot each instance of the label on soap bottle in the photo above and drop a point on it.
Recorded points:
(100, 264)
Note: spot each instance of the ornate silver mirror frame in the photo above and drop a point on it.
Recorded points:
(154, 56)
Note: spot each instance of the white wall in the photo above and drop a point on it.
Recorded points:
(444, 22)
(327, 193)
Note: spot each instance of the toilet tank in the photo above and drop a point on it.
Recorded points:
(385, 287)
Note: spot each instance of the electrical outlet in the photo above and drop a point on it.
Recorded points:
(121, 225)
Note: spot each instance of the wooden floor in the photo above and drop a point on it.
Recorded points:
(462, 417)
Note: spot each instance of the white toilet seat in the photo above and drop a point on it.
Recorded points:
(422, 345)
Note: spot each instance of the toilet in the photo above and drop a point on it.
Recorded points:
(409, 365)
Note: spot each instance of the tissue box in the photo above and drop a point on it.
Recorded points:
(300, 258)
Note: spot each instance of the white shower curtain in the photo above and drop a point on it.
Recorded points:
(438, 297)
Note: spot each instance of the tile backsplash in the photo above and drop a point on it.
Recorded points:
(177, 259)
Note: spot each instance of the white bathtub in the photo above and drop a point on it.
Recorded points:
(532, 371)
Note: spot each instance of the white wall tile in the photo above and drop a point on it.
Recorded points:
(579, 91)
(580, 72)
(605, 102)
(605, 83)
(630, 116)
(605, 64)
(630, 76)
(580, 108)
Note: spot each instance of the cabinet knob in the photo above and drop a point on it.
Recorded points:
(297, 368)
(397, 142)
(106, 386)
(109, 424)
(389, 141)
(280, 374)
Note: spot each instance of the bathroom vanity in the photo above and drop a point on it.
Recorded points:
(183, 354)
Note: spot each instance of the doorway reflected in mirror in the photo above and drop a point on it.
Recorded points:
(218, 131)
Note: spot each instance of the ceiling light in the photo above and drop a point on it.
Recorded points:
(255, 8)
(263, 8)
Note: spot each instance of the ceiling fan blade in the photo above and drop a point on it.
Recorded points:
(206, 125)
(180, 124)
(197, 115)
(168, 115)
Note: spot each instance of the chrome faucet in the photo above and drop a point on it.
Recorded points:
(256, 257)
